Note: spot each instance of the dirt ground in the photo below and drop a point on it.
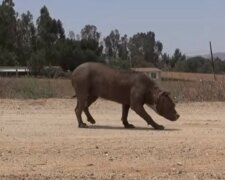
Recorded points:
(39, 139)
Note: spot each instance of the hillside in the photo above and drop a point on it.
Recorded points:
(220, 55)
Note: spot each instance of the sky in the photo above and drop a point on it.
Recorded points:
(185, 24)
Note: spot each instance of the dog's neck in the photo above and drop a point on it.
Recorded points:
(156, 94)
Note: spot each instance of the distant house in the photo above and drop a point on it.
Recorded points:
(153, 73)
(13, 71)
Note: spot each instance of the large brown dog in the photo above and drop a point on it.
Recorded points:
(131, 89)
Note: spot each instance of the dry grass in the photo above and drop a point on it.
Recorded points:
(189, 91)
(194, 86)
(191, 76)
(33, 88)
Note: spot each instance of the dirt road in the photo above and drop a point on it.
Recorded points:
(39, 139)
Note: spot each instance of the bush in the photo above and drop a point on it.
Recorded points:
(37, 62)
(52, 72)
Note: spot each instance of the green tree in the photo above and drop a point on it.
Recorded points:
(37, 61)
(177, 56)
(70, 54)
(90, 44)
(89, 32)
(143, 46)
(182, 66)
(123, 48)
(157, 52)
(46, 28)
(71, 35)
(49, 31)
(7, 25)
(219, 65)
(198, 64)
(164, 61)
(7, 33)
(26, 38)
(112, 42)
(7, 58)
(60, 30)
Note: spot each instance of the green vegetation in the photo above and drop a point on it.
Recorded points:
(24, 42)
(44, 43)
(30, 88)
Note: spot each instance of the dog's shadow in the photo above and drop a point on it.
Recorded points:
(129, 129)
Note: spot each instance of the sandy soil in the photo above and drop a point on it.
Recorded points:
(39, 139)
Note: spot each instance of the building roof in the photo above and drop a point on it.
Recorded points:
(149, 69)
(13, 69)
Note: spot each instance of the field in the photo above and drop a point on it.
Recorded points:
(182, 90)
(39, 139)
(192, 76)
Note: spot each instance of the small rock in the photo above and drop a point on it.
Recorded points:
(179, 164)
(173, 169)
(90, 164)
(111, 159)
(82, 177)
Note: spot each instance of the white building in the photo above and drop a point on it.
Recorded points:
(13, 70)
(153, 73)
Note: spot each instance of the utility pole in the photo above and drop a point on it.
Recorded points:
(210, 45)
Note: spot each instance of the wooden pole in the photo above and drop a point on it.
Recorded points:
(210, 45)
